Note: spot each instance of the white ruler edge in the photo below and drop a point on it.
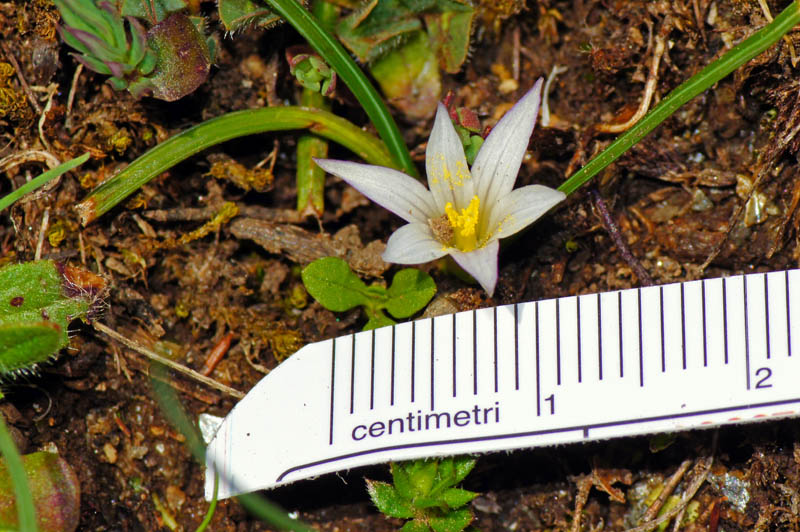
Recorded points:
(645, 360)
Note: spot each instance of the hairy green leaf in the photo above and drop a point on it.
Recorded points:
(238, 14)
(415, 526)
(455, 521)
(457, 497)
(388, 501)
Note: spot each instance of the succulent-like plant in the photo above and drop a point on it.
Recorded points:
(424, 491)
(167, 61)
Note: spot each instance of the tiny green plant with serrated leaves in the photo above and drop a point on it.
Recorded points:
(425, 492)
(330, 281)
(38, 300)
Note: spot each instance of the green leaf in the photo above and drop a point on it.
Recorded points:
(455, 521)
(463, 464)
(410, 291)
(151, 10)
(25, 345)
(378, 319)
(330, 281)
(401, 479)
(238, 14)
(415, 526)
(409, 76)
(388, 500)
(422, 474)
(457, 497)
(38, 300)
(184, 59)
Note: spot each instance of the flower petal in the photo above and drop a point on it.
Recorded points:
(413, 244)
(498, 161)
(449, 178)
(520, 208)
(480, 264)
(392, 190)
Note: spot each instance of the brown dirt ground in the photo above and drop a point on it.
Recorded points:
(676, 198)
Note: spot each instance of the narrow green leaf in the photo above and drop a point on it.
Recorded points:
(13, 461)
(733, 59)
(223, 128)
(330, 281)
(410, 291)
(388, 501)
(41, 180)
(401, 479)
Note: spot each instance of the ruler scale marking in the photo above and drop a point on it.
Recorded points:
(372, 372)
(599, 339)
(683, 326)
(641, 343)
(705, 333)
(537, 324)
(661, 317)
(433, 358)
(391, 383)
(788, 317)
(516, 346)
(558, 342)
(494, 339)
(725, 315)
(746, 333)
(333, 380)
(474, 353)
(413, 358)
(619, 331)
(454, 355)
(580, 337)
(342, 417)
(766, 315)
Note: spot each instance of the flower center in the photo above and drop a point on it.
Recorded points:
(464, 224)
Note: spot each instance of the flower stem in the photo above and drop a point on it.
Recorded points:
(223, 128)
(733, 59)
(338, 58)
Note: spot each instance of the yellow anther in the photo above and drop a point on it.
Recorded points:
(464, 224)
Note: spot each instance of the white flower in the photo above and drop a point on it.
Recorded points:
(464, 212)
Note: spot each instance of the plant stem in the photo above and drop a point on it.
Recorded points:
(733, 59)
(310, 178)
(337, 57)
(41, 180)
(221, 129)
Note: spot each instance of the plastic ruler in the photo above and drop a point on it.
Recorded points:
(656, 359)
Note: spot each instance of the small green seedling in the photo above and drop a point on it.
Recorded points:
(331, 282)
(424, 491)
(38, 300)
(149, 47)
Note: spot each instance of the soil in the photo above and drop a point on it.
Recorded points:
(681, 200)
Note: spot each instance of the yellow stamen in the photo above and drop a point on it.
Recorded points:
(464, 224)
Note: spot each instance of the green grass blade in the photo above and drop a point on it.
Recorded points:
(173, 411)
(337, 57)
(733, 59)
(221, 129)
(25, 508)
(41, 180)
